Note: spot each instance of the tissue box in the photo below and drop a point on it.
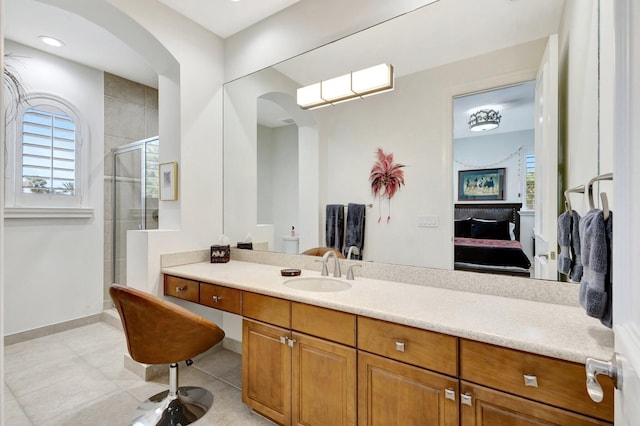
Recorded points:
(220, 254)
(245, 246)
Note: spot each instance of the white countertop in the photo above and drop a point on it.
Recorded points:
(558, 331)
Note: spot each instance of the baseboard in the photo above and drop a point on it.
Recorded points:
(232, 345)
(48, 330)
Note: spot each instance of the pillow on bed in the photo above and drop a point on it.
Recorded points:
(462, 228)
(492, 230)
(512, 226)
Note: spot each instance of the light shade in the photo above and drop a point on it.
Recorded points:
(310, 96)
(372, 80)
(369, 81)
(484, 119)
(337, 89)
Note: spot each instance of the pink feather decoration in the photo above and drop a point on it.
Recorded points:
(386, 176)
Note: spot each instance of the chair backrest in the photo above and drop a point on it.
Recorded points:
(320, 251)
(161, 332)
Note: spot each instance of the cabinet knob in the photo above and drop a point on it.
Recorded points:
(530, 380)
(291, 342)
(283, 340)
(400, 346)
(450, 393)
(180, 289)
(466, 399)
(217, 299)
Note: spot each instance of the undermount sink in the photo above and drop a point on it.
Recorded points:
(319, 284)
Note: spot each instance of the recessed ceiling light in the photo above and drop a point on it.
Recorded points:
(51, 41)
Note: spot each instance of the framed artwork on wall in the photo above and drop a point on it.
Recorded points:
(481, 185)
(169, 181)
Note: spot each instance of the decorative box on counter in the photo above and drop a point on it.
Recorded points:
(220, 254)
(245, 246)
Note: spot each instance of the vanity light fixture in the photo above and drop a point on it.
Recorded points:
(357, 84)
(50, 41)
(484, 119)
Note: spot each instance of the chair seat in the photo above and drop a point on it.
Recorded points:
(161, 332)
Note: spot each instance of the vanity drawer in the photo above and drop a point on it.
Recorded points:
(219, 297)
(560, 383)
(182, 288)
(324, 323)
(427, 349)
(267, 309)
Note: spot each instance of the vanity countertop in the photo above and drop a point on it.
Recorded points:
(558, 331)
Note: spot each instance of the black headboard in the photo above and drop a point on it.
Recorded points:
(491, 211)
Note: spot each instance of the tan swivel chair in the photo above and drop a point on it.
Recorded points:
(161, 332)
(320, 251)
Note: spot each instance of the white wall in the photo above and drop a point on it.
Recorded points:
(583, 155)
(278, 180)
(496, 151)
(53, 267)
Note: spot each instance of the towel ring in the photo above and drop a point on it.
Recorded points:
(567, 202)
(606, 176)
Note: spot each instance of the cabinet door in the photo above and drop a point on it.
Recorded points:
(324, 382)
(393, 393)
(483, 406)
(266, 370)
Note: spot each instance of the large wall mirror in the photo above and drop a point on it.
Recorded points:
(284, 165)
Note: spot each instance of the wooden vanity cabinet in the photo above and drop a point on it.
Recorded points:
(481, 406)
(400, 378)
(182, 288)
(292, 377)
(543, 390)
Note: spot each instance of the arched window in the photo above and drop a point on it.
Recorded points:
(47, 170)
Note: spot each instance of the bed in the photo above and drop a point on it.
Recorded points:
(487, 239)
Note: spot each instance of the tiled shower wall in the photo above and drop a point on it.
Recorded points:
(130, 115)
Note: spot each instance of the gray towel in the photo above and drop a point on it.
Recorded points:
(355, 229)
(576, 249)
(335, 226)
(608, 283)
(564, 241)
(594, 292)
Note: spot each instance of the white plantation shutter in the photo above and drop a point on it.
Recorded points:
(48, 153)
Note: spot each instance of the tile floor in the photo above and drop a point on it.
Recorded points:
(77, 377)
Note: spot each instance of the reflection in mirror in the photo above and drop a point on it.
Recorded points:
(493, 228)
(277, 158)
(436, 57)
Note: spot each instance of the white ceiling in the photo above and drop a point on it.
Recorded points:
(227, 17)
(89, 44)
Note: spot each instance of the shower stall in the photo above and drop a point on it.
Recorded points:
(135, 193)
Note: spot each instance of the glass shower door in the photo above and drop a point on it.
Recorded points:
(135, 197)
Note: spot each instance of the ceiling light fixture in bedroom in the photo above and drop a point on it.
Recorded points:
(484, 119)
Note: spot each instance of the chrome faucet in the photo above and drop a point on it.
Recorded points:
(336, 267)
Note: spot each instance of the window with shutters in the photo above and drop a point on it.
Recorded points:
(48, 155)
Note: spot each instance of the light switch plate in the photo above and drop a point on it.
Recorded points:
(429, 221)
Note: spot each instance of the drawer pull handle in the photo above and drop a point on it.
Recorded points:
(283, 340)
(530, 380)
(400, 346)
(466, 399)
(449, 393)
(217, 299)
(291, 342)
(180, 289)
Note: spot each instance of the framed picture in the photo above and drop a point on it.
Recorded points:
(481, 185)
(169, 181)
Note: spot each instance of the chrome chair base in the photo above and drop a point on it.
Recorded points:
(188, 405)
